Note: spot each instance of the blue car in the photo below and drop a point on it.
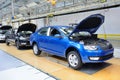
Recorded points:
(78, 44)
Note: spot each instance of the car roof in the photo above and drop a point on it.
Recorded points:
(59, 26)
(56, 27)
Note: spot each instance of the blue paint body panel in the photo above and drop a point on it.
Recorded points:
(59, 46)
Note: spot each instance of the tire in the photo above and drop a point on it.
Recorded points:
(7, 43)
(74, 60)
(36, 51)
(17, 45)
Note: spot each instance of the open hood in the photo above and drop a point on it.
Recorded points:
(90, 24)
(5, 27)
(27, 27)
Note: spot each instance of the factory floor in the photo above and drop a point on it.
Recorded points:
(56, 68)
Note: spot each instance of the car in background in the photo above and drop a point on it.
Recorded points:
(78, 44)
(3, 30)
(20, 37)
(10, 36)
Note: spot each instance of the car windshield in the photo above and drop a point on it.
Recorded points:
(67, 30)
(25, 33)
(82, 33)
(3, 31)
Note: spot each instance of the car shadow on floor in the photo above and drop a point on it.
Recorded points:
(25, 48)
(92, 68)
(1, 42)
(88, 68)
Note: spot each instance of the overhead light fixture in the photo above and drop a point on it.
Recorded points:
(32, 4)
(53, 2)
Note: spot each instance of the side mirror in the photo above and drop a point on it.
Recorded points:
(58, 36)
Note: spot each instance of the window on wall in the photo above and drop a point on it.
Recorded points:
(82, 2)
(68, 2)
(43, 9)
(60, 4)
(75, 1)
(92, 1)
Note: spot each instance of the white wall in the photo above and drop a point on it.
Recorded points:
(15, 25)
(23, 22)
(33, 21)
(112, 21)
(111, 24)
(40, 23)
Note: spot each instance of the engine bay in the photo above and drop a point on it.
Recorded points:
(91, 39)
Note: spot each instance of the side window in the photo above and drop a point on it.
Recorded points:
(43, 31)
(53, 32)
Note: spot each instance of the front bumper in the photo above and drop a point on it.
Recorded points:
(24, 43)
(2, 38)
(96, 56)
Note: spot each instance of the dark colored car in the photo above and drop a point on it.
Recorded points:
(3, 30)
(10, 36)
(21, 36)
(78, 44)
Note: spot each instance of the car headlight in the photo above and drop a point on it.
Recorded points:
(22, 38)
(90, 47)
(2, 36)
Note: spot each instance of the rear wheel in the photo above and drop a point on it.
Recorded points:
(36, 51)
(74, 60)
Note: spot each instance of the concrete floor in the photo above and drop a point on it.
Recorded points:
(58, 67)
(12, 68)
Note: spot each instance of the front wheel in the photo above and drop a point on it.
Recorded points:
(7, 43)
(74, 60)
(36, 51)
(18, 44)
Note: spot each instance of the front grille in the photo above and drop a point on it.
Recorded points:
(28, 42)
(106, 46)
(106, 57)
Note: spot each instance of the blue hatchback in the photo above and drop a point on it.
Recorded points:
(78, 44)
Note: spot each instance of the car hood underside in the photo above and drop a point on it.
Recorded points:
(27, 27)
(5, 27)
(90, 24)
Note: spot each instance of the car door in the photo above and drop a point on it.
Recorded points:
(14, 35)
(10, 35)
(56, 43)
(42, 38)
